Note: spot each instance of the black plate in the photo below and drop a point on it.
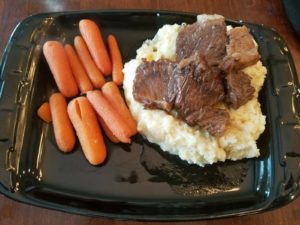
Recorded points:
(139, 181)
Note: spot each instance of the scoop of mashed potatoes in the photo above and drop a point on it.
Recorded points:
(175, 136)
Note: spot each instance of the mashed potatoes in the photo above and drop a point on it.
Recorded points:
(175, 136)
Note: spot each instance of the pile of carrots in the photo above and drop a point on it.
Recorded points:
(85, 101)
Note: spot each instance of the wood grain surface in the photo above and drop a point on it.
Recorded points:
(268, 12)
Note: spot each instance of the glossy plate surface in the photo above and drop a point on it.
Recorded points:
(139, 181)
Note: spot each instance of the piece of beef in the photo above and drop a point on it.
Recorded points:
(199, 89)
(241, 50)
(150, 85)
(196, 84)
(212, 119)
(239, 89)
(206, 37)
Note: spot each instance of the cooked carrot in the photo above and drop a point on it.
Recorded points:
(93, 72)
(116, 60)
(81, 77)
(110, 116)
(112, 93)
(58, 62)
(93, 38)
(63, 130)
(44, 112)
(85, 122)
(107, 131)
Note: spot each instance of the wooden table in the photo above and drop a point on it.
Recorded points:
(268, 12)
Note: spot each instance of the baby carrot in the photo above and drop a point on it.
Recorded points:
(58, 62)
(79, 73)
(93, 72)
(107, 131)
(116, 59)
(63, 130)
(110, 116)
(44, 112)
(112, 93)
(85, 122)
(92, 36)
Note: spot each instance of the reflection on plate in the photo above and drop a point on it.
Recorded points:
(190, 180)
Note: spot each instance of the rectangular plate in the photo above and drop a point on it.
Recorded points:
(139, 181)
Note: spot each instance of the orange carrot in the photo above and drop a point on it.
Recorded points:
(79, 73)
(112, 93)
(93, 38)
(110, 116)
(93, 72)
(44, 112)
(58, 62)
(85, 122)
(63, 130)
(116, 59)
(107, 131)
